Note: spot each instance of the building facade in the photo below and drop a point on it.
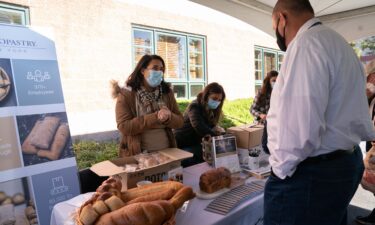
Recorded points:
(100, 40)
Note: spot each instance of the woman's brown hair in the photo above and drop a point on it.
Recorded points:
(202, 99)
(266, 87)
(135, 80)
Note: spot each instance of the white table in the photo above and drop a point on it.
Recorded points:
(249, 212)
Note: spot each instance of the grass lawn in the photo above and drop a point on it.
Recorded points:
(236, 112)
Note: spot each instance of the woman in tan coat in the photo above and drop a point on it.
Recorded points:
(146, 109)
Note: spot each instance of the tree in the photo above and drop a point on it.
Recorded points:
(366, 45)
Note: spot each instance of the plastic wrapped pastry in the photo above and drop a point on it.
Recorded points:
(27, 147)
(46, 131)
(58, 144)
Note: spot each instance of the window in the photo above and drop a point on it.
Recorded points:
(265, 59)
(12, 14)
(184, 56)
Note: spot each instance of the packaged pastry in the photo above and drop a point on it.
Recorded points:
(131, 168)
(46, 131)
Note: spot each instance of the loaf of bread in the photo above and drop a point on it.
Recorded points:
(163, 195)
(149, 189)
(152, 204)
(142, 213)
(183, 195)
(215, 179)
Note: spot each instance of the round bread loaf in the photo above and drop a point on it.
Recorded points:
(215, 179)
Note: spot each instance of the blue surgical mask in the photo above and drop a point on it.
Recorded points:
(212, 104)
(155, 78)
(273, 84)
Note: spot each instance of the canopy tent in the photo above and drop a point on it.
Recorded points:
(351, 18)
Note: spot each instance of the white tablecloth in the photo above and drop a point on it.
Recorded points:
(249, 212)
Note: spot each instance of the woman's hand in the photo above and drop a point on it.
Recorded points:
(218, 130)
(164, 114)
(263, 116)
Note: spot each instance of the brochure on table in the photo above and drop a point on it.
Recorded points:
(37, 164)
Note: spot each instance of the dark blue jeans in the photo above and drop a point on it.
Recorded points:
(318, 193)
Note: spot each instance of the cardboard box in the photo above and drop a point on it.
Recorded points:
(155, 173)
(248, 136)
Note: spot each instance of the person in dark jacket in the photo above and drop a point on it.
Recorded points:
(201, 118)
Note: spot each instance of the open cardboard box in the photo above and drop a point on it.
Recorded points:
(156, 173)
(247, 136)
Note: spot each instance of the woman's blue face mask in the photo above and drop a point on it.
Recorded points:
(155, 78)
(212, 104)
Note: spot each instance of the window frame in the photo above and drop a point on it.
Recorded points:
(187, 81)
(18, 9)
(264, 50)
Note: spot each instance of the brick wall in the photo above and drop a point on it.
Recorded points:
(93, 43)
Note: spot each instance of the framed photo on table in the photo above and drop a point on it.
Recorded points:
(224, 151)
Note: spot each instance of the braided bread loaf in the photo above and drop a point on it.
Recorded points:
(153, 204)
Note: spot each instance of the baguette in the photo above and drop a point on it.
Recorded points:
(184, 194)
(149, 189)
(142, 213)
(163, 195)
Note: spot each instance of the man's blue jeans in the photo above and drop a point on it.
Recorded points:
(318, 193)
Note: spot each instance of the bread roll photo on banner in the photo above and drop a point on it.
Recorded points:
(61, 137)
(45, 132)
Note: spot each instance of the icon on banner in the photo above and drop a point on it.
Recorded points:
(38, 76)
(58, 186)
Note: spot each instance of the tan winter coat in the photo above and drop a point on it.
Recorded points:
(131, 126)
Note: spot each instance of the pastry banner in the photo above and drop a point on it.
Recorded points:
(37, 163)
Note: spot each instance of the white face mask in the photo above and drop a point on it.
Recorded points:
(370, 87)
(273, 84)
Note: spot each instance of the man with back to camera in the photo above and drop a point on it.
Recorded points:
(318, 116)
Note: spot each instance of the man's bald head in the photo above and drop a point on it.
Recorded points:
(293, 6)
